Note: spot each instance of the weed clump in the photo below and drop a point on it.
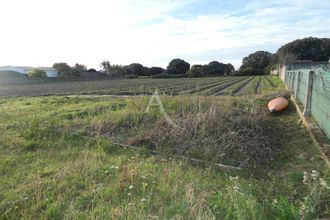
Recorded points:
(240, 137)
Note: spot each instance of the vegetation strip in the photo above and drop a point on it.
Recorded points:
(269, 81)
(251, 87)
(242, 85)
(183, 87)
(134, 87)
(258, 88)
(219, 85)
(231, 85)
(224, 85)
(208, 87)
(200, 88)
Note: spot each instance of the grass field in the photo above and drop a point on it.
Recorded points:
(205, 86)
(59, 156)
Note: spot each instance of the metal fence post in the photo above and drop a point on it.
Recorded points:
(308, 101)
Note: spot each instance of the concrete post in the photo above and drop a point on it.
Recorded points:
(308, 101)
(297, 85)
(293, 77)
(283, 73)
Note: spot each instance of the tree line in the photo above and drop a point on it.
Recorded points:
(310, 48)
(257, 63)
(176, 68)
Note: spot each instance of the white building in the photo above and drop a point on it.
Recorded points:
(51, 72)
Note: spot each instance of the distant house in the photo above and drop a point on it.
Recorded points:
(51, 72)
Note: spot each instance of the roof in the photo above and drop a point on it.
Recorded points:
(30, 67)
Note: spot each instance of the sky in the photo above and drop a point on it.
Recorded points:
(152, 32)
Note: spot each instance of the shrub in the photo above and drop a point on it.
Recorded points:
(238, 137)
(37, 73)
(318, 196)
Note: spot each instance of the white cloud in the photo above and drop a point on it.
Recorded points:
(41, 32)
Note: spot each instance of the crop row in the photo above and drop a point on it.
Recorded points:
(234, 85)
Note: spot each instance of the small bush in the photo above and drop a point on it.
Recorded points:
(37, 73)
(283, 209)
(238, 137)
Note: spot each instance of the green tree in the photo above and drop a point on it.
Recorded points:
(37, 73)
(229, 69)
(177, 66)
(311, 48)
(196, 71)
(256, 63)
(92, 70)
(78, 69)
(154, 71)
(64, 69)
(106, 67)
(214, 68)
(136, 69)
(118, 70)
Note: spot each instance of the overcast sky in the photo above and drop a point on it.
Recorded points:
(152, 32)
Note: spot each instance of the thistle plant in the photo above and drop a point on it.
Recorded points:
(316, 187)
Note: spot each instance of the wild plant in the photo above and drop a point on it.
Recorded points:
(317, 187)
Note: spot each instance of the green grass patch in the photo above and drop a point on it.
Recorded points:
(58, 160)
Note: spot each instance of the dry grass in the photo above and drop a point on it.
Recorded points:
(240, 136)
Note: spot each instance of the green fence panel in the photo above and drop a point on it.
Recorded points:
(302, 86)
(297, 81)
(320, 108)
